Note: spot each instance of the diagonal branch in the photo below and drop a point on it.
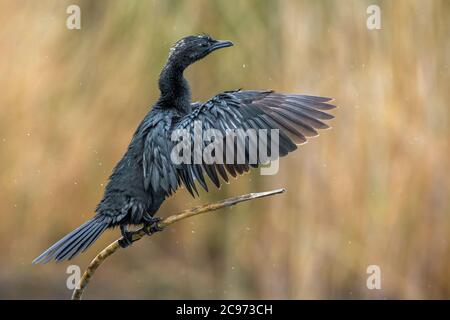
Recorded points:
(113, 247)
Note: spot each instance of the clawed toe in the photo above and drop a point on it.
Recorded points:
(127, 239)
(152, 226)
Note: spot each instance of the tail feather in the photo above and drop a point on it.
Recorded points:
(71, 240)
(71, 249)
(86, 243)
(75, 242)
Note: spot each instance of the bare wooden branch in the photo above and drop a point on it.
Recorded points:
(113, 247)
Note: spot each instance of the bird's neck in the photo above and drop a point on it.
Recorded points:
(175, 92)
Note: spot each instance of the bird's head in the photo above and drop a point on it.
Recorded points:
(192, 48)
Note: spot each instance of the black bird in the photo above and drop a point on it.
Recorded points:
(146, 175)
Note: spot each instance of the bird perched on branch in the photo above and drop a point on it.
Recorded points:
(146, 175)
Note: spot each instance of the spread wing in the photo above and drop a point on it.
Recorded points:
(296, 117)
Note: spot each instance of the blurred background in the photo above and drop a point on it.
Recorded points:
(374, 190)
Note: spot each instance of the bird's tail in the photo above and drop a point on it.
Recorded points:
(75, 242)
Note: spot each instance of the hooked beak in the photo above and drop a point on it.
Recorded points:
(219, 44)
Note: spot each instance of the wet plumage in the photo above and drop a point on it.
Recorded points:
(146, 174)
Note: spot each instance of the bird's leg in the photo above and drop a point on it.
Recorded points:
(127, 236)
(151, 225)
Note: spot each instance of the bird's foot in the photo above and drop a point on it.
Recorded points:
(127, 237)
(151, 226)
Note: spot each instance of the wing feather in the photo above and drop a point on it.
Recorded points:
(296, 116)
